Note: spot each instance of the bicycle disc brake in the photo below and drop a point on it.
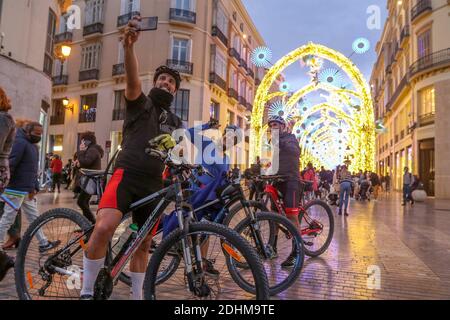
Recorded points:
(103, 285)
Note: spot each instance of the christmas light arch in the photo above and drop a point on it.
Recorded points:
(361, 135)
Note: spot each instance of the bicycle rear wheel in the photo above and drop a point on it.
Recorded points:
(280, 241)
(207, 285)
(317, 227)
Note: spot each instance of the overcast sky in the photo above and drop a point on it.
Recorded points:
(287, 24)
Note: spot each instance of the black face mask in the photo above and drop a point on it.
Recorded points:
(34, 139)
(161, 98)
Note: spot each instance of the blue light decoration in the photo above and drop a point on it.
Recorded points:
(279, 109)
(303, 105)
(261, 57)
(330, 76)
(285, 87)
(361, 45)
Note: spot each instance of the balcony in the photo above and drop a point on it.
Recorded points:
(403, 83)
(249, 106)
(58, 119)
(216, 32)
(232, 93)
(118, 114)
(431, 61)
(250, 72)
(181, 66)
(123, 19)
(60, 80)
(242, 101)
(118, 69)
(243, 64)
(404, 34)
(65, 37)
(421, 7)
(234, 54)
(92, 29)
(216, 79)
(183, 16)
(87, 116)
(257, 81)
(426, 119)
(92, 74)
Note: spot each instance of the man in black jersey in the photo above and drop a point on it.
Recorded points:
(136, 174)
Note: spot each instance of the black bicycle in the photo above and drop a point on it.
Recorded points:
(56, 274)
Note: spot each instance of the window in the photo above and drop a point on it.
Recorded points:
(119, 105)
(230, 118)
(187, 5)
(63, 23)
(48, 57)
(222, 20)
(424, 44)
(181, 104)
(1, 6)
(93, 12)
(234, 80)
(427, 101)
(88, 108)
(242, 88)
(90, 57)
(128, 6)
(220, 66)
(180, 50)
(240, 122)
(58, 112)
(57, 71)
(214, 110)
(237, 43)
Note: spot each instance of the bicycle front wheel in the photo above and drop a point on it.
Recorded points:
(213, 280)
(317, 227)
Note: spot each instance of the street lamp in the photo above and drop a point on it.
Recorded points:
(67, 105)
(63, 53)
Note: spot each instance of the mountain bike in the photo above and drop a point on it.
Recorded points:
(57, 275)
(315, 216)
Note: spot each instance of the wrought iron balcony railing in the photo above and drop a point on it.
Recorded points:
(92, 74)
(216, 32)
(125, 18)
(60, 80)
(183, 15)
(63, 37)
(118, 69)
(421, 7)
(430, 61)
(181, 66)
(216, 79)
(232, 93)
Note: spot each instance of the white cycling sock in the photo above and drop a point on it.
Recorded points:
(137, 283)
(91, 268)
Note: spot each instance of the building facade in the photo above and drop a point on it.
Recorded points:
(209, 42)
(27, 29)
(411, 91)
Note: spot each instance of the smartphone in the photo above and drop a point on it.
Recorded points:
(149, 24)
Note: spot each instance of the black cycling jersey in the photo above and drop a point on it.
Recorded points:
(143, 122)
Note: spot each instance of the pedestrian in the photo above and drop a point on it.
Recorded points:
(310, 176)
(387, 179)
(89, 157)
(345, 182)
(56, 166)
(68, 173)
(7, 134)
(23, 162)
(47, 174)
(376, 184)
(408, 181)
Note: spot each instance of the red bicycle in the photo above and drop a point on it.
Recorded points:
(315, 216)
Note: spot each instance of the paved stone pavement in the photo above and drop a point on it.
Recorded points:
(408, 246)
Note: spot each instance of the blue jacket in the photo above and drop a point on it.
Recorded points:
(24, 164)
(207, 192)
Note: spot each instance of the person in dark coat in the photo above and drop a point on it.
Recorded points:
(89, 157)
(24, 166)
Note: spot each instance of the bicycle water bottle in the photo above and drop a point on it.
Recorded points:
(127, 235)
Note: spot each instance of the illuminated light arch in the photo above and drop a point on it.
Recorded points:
(363, 144)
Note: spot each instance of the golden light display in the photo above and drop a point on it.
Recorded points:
(358, 142)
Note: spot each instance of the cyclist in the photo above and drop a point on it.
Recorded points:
(289, 163)
(204, 189)
(136, 174)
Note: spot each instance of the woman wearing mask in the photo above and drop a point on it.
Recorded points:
(89, 157)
